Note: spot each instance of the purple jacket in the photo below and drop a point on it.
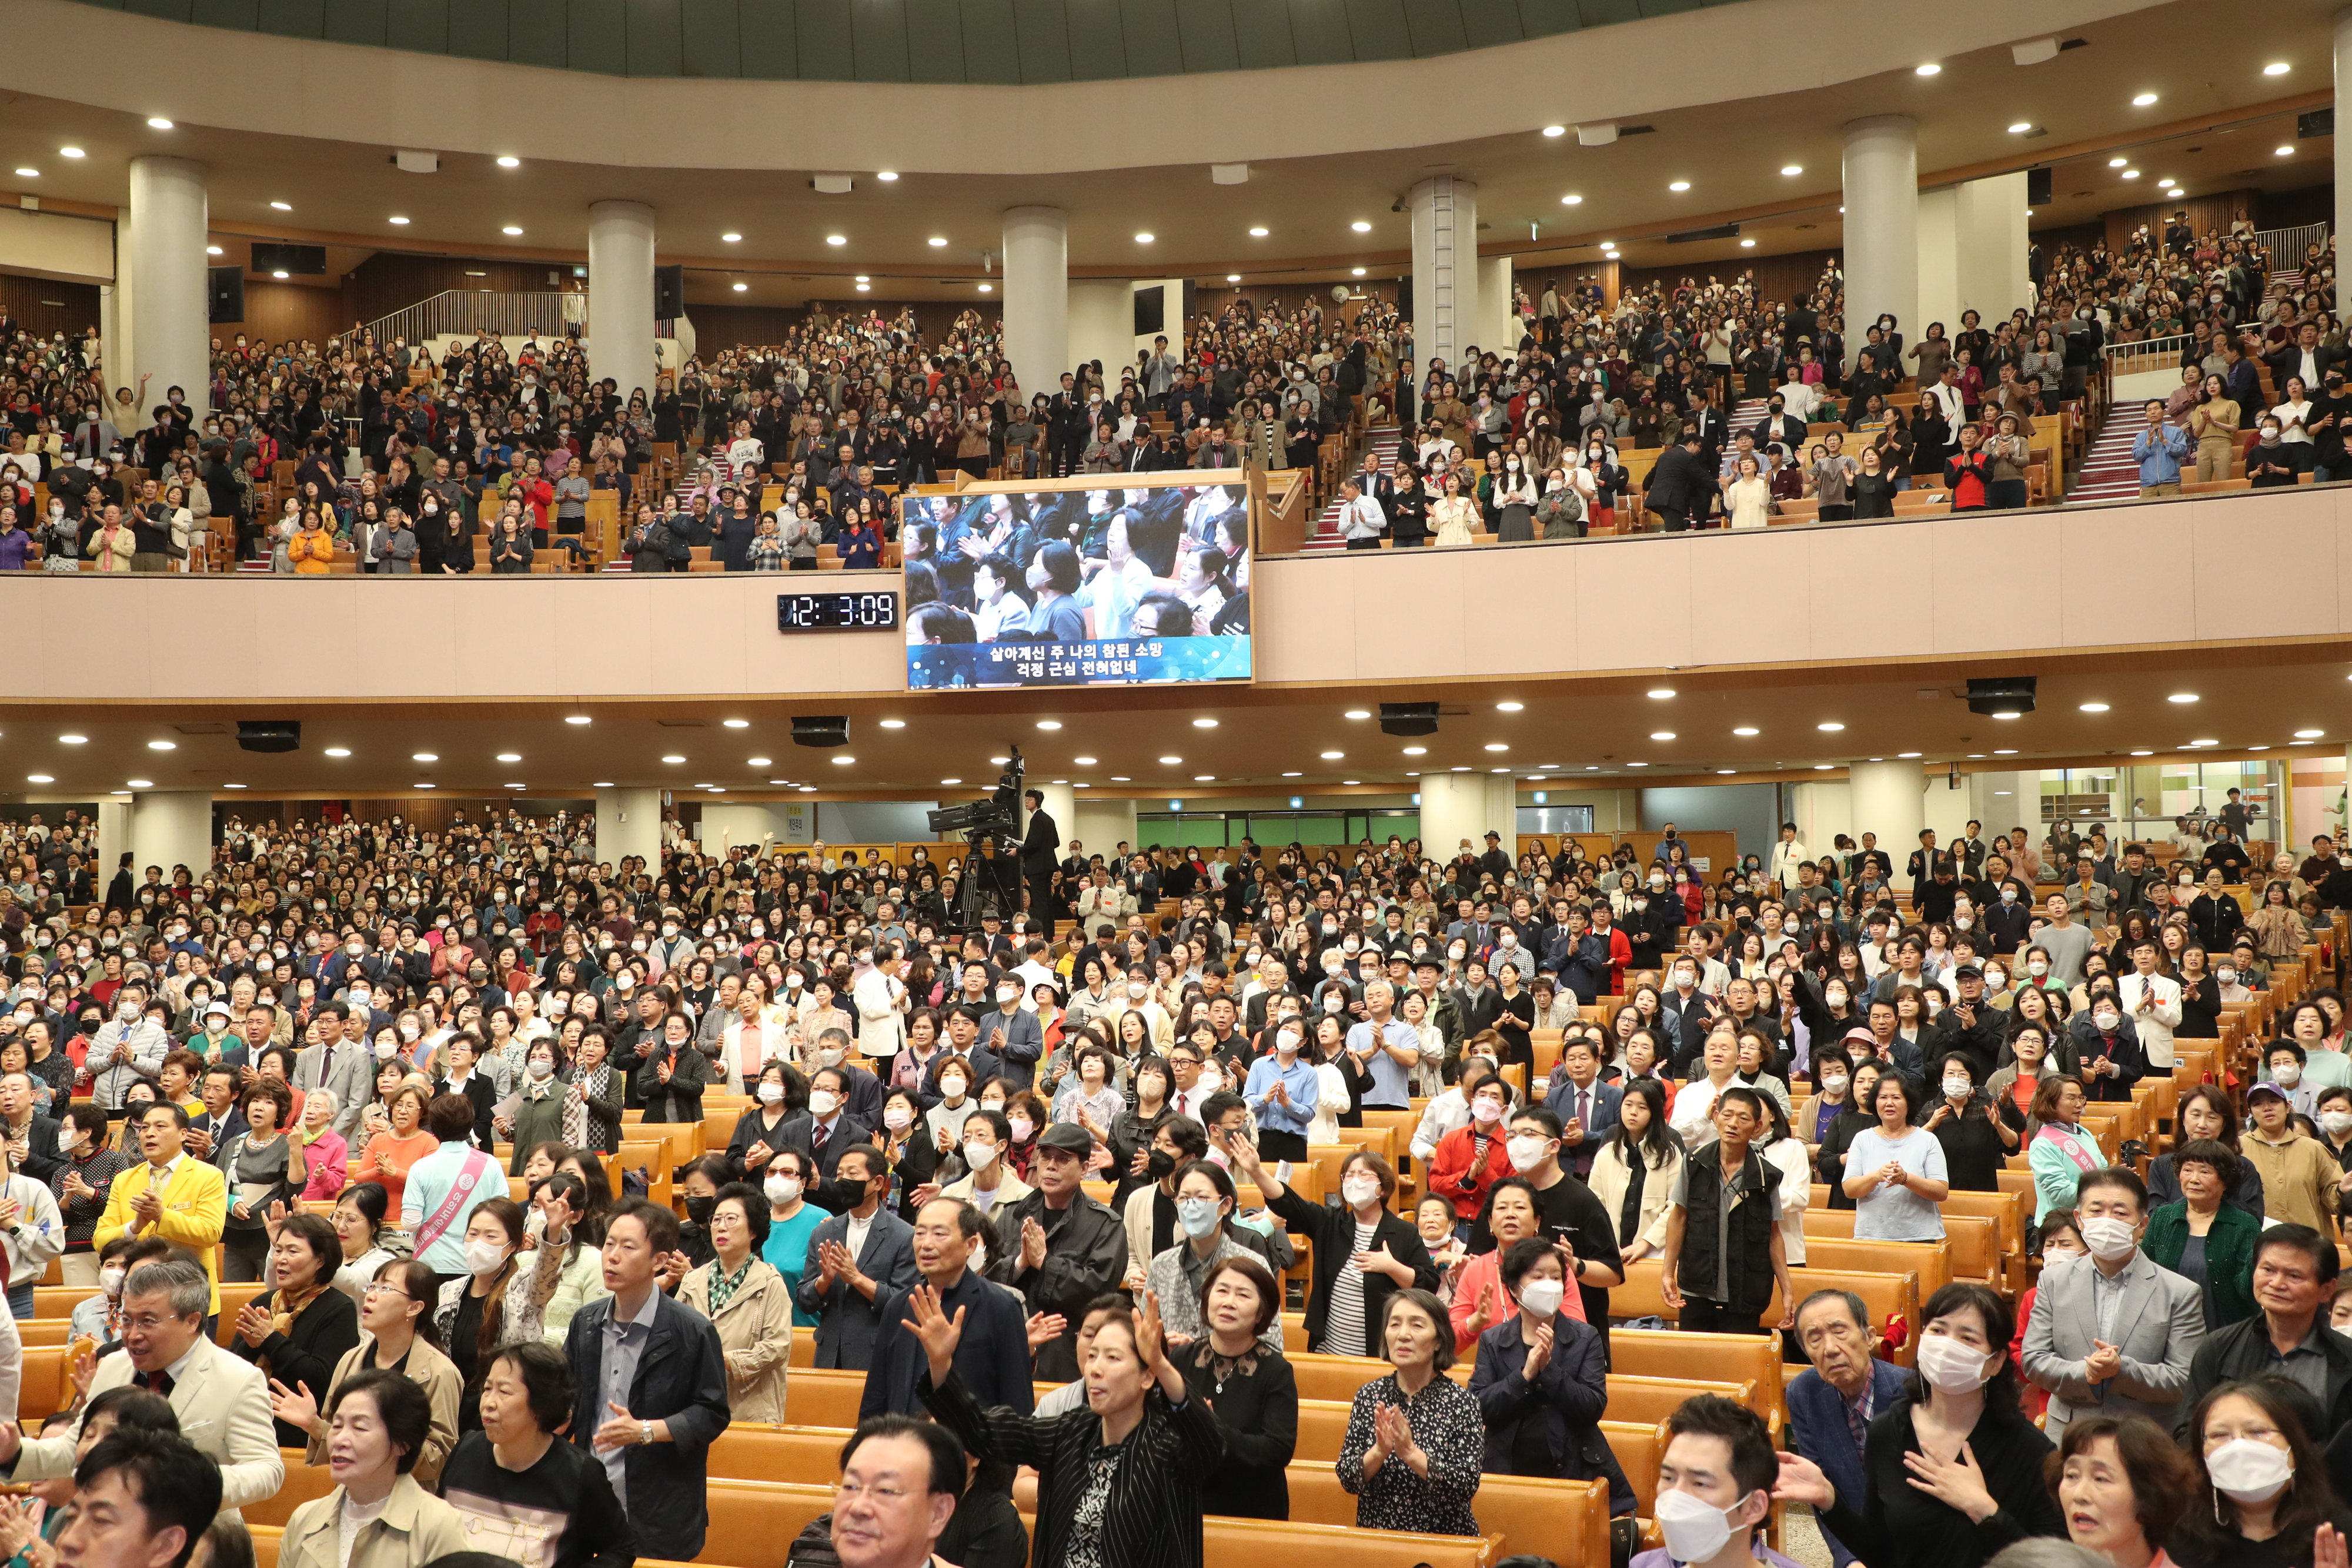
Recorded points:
(14, 546)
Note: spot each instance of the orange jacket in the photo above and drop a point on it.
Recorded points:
(312, 550)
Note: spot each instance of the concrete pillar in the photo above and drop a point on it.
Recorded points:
(113, 838)
(1444, 269)
(621, 295)
(1099, 324)
(1882, 227)
(1498, 323)
(1889, 800)
(2005, 801)
(1455, 806)
(1938, 229)
(169, 828)
(1037, 297)
(171, 343)
(1101, 826)
(628, 821)
(1822, 811)
(1989, 265)
(2343, 143)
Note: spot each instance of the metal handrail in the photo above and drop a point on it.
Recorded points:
(462, 311)
(2286, 245)
(2148, 354)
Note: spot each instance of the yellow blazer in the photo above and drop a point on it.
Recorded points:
(195, 1206)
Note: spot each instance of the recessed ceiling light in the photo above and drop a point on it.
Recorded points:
(736, 723)
(36, 173)
(997, 761)
(397, 221)
(1293, 775)
(1747, 245)
(576, 718)
(1662, 735)
(742, 288)
(280, 275)
(163, 746)
(1203, 778)
(83, 739)
(2275, 68)
(1258, 232)
(2131, 173)
(842, 761)
(759, 761)
(951, 780)
(421, 786)
(513, 229)
(1143, 239)
(886, 173)
(1571, 200)
(2204, 743)
(2008, 712)
(673, 760)
(1082, 762)
(864, 289)
(510, 756)
(1906, 753)
(1833, 727)
(2309, 734)
(2093, 707)
(2141, 101)
(1049, 724)
(339, 751)
(1333, 756)
(1170, 761)
(1930, 68)
(2118, 162)
(41, 779)
(78, 153)
(1361, 227)
(991, 287)
(894, 724)
(1822, 767)
(1562, 130)
(508, 160)
(140, 783)
(836, 239)
(1678, 186)
(1416, 751)
(1746, 729)
(232, 785)
(1230, 278)
(209, 250)
(2181, 697)
(1357, 272)
(1357, 713)
(1637, 765)
(1509, 707)
(1205, 724)
(1792, 168)
(157, 122)
(281, 207)
(2021, 128)
(425, 756)
(1496, 746)
(731, 239)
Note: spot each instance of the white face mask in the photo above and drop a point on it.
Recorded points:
(1209, 1082)
(979, 1154)
(2250, 1472)
(385, 1050)
(782, 1189)
(2287, 1075)
(1542, 1296)
(1359, 1190)
(1696, 1530)
(2107, 1237)
(485, 1256)
(1485, 1111)
(1833, 1084)
(823, 1103)
(1951, 1366)
(1956, 1087)
(1527, 1153)
(111, 1281)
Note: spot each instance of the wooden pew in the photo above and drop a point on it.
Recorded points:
(303, 1482)
(1566, 1521)
(1254, 1543)
(754, 1523)
(1716, 1357)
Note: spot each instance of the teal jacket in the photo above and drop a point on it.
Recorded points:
(2229, 1253)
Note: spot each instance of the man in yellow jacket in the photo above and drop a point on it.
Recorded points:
(170, 1194)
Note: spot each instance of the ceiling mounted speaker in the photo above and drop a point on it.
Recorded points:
(2012, 694)
(269, 735)
(1408, 718)
(823, 730)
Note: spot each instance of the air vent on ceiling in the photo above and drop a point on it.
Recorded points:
(1720, 231)
(1625, 130)
(683, 723)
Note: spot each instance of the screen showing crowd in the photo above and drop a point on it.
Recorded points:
(1078, 587)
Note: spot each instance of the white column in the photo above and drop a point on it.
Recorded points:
(621, 295)
(1822, 811)
(172, 341)
(1889, 798)
(2343, 143)
(1881, 234)
(1503, 812)
(1098, 323)
(1445, 272)
(1037, 299)
(1498, 324)
(169, 828)
(628, 821)
(1101, 826)
(1938, 298)
(1989, 265)
(113, 839)
(1456, 807)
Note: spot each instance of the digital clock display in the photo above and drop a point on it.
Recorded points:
(836, 611)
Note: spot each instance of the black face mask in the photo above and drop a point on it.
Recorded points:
(1158, 1163)
(89, 1026)
(698, 1209)
(851, 1188)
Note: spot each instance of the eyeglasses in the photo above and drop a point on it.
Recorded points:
(850, 1491)
(378, 1288)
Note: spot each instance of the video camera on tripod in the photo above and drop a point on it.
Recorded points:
(988, 884)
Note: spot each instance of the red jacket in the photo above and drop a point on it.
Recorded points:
(1449, 1169)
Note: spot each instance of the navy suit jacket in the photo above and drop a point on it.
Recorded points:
(1606, 1098)
(847, 1324)
(992, 1356)
(1818, 1429)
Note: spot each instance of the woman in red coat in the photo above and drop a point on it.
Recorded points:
(1470, 1160)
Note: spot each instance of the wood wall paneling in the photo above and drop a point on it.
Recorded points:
(388, 281)
(1779, 279)
(2214, 212)
(43, 305)
(279, 312)
(718, 328)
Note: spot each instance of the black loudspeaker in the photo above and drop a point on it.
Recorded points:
(2002, 693)
(830, 729)
(669, 293)
(2037, 187)
(223, 294)
(296, 260)
(1405, 296)
(1408, 718)
(1152, 310)
(2314, 122)
(269, 734)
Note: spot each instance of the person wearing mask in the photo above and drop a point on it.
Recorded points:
(988, 1180)
(1363, 1254)
(378, 1515)
(792, 1220)
(950, 1238)
(517, 1480)
(1471, 1160)
(445, 1186)
(1059, 1247)
(2294, 1276)
(1953, 1470)
(827, 1129)
(1283, 1093)
(746, 1301)
(494, 1301)
(650, 1378)
(2204, 1236)
(1568, 1212)
(2111, 1334)
(1541, 1380)
(82, 1185)
(1834, 1401)
(2262, 1493)
(856, 1259)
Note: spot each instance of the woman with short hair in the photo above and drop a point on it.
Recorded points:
(1416, 1439)
(520, 1485)
(748, 1302)
(299, 1328)
(377, 1425)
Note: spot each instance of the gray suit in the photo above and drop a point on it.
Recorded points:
(2160, 1321)
(353, 1081)
(847, 1324)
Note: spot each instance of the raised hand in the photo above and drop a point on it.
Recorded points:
(296, 1408)
(1151, 1336)
(939, 1332)
(1043, 1328)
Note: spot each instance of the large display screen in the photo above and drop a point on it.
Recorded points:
(1141, 583)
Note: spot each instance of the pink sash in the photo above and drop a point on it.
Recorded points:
(469, 1175)
(2071, 1146)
